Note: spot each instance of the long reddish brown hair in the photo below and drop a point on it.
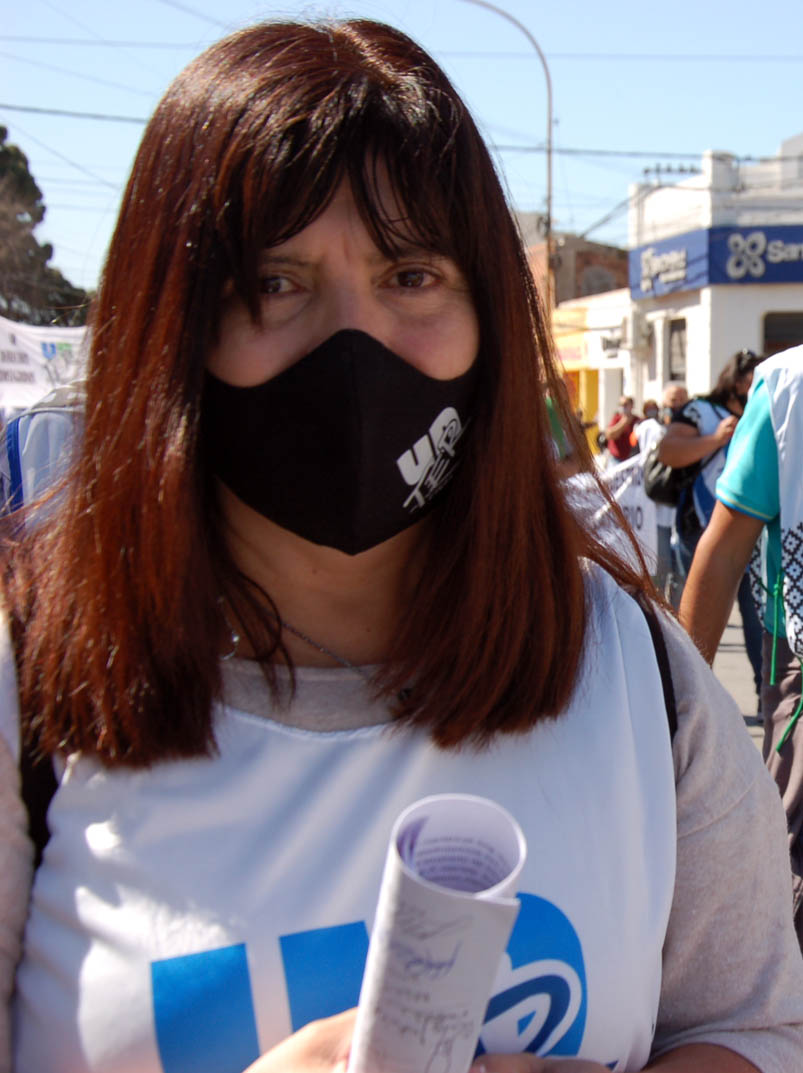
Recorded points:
(115, 600)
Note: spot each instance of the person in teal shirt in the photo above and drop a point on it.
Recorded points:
(749, 484)
(748, 503)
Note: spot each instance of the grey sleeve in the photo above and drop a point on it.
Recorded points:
(16, 856)
(732, 967)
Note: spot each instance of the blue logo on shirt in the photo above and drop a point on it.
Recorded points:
(540, 996)
(539, 1000)
(204, 1013)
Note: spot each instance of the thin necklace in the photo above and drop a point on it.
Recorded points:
(235, 639)
(326, 651)
(403, 695)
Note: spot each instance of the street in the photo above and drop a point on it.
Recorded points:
(733, 669)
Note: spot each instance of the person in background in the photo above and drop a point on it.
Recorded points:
(568, 461)
(701, 432)
(313, 561)
(648, 432)
(619, 431)
(674, 397)
(760, 492)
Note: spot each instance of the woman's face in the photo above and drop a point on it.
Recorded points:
(331, 276)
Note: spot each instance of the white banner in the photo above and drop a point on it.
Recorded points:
(34, 360)
(626, 482)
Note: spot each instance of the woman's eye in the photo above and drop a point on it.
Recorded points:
(413, 277)
(274, 285)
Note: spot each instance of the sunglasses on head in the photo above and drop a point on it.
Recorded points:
(746, 361)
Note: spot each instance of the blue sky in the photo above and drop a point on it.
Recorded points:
(635, 86)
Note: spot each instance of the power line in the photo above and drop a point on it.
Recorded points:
(615, 211)
(95, 41)
(72, 163)
(74, 115)
(75, 74)
(639, 57)
(70, 208)
(650, 154)
(92, 32)
(651, 57)
(193, 11)
(77, 185)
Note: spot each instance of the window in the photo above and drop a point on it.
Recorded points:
(652, 356)
(781, 331)
(677, 349)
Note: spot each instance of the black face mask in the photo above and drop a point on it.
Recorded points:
(346, 448)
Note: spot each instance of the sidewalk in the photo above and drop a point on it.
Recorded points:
(732, 668)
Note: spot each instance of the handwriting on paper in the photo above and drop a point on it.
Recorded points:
(445, 912)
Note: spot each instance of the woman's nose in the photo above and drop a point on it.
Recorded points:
(350, 306)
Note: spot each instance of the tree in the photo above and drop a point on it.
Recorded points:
(31, 290)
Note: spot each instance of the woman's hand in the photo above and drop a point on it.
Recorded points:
(725, 430)
(528, 1063)
(692, 1058)
(323, 1047)
(319, 1047)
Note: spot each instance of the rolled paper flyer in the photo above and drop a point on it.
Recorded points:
(446, 909)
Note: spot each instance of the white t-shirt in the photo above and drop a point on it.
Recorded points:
(191, 915)
(188, 916)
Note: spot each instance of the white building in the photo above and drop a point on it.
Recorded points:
(716, 265)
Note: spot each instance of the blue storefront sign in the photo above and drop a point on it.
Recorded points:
(718, 255)
(673, 264)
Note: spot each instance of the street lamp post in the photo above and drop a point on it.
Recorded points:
(542, 58)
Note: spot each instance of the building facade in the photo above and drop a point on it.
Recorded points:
(715, 266)
(579, 267)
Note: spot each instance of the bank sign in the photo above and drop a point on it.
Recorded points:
(715, 256)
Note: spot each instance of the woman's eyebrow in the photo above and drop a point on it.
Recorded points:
(272, 259)
(408, 249)
(278, 258)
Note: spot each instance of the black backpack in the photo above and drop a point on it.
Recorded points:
(665, 484)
